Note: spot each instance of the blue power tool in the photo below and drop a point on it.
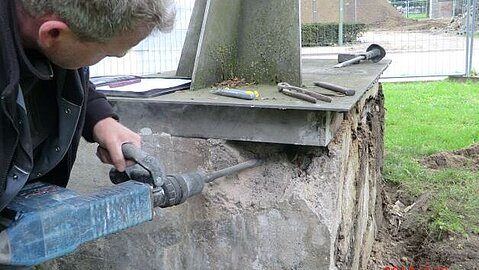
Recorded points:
(45, 221)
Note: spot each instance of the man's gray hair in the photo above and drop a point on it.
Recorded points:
(101, 20)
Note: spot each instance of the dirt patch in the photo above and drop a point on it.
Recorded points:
(403, 24)
(234, 82)
(366, 11)
(403, 239)
(378, 14)
(456, 253)
(460, 159)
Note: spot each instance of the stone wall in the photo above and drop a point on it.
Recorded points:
(304, 208)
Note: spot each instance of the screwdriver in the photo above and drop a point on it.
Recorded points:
(237, 93)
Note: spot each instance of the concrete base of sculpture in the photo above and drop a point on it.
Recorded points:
(306, 207)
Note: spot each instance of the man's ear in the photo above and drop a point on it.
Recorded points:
(51, 32)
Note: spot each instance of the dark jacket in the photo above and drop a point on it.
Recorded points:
(93, 105)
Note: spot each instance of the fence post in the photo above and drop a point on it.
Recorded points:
(470, 28)
(341, 22)
(355, 11)
(473, 30)
(407, 8)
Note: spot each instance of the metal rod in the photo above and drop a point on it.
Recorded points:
(232, 170)
(350, 61)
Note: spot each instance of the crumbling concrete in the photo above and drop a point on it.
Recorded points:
(304, 208)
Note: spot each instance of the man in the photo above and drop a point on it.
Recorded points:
(46, 100)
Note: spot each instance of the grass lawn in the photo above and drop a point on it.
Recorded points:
(424, 118)
(416, 16)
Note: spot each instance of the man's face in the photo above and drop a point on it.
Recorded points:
(72, 53)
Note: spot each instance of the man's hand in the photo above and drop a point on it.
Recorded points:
(111, 135)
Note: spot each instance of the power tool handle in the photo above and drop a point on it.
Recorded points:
(155, 172)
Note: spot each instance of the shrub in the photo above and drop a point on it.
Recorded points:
(326, 34)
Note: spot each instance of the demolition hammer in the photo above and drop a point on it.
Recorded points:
(45, 221)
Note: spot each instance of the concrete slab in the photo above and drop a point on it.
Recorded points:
(359, 77)
(298, 127)
(274, 118)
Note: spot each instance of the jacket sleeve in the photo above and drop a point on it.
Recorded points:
(97, 108)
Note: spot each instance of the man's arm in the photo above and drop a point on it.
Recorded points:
(101, 126)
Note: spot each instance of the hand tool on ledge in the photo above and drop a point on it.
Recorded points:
(374, 53)
(237, 93)
(301, 93)
(336, 88)
(45, 221)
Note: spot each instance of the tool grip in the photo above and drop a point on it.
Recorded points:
(337, 88)
(130, 151)
(298, 95)
(237, 93)
(155, 172)
(319, 96)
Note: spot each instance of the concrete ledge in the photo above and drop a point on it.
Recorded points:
(274, 118)
(233, 123)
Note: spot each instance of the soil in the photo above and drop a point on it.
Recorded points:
(404, 241)
(233, 83)
(386, 17)
(403, 24)
(378, 14)
(461, 159)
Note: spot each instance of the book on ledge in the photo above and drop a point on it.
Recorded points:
(139, 86)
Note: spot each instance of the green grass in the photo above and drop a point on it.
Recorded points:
(416, 16)
(424, 118)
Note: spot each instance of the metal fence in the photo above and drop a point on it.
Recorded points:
(423, 38)
(159, 52)
(418, 8)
